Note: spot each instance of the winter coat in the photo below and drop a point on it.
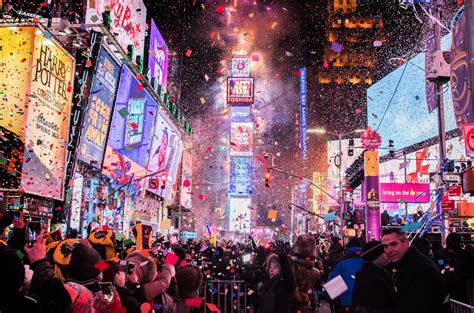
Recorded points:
(347, 267)
(336, 252)
(129, 302)
(456, 269)
(419, 284)
(19, 303)
(374, 290)
(276, 294)
(306, 277)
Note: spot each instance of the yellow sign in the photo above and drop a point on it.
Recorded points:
(371, 163)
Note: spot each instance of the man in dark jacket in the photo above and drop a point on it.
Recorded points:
(374, 290)
(419, 284)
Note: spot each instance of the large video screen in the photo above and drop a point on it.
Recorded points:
(408, 109)
(239, 217)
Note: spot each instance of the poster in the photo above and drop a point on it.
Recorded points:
(98, 111)
(409, 193)
(240, 114)
(241, 174)
(158, 58)
(165, 155)
(303, 114)
(240, 90)
(128, 20)
(187, 180)
(239, 217)
(76, 201)
(47, 118)
(241, 138)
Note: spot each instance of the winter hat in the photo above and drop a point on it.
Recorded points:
(82, 266)
(354, 243)
(142, 236)
(189, 280)
(372, 250)
(272, 258)
(453, 241)
(103, 241)
(145, 267)
(305, 246)
(108, 274)
(13, 273)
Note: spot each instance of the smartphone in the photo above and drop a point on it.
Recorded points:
(33, 230)
(107, 290)
(129, 269)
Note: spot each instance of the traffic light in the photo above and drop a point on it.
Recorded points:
(391, 148)
(268, 179)
(163, 181)
(350, 150)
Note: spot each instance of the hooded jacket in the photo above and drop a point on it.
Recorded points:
(306, 277)
(347, 267)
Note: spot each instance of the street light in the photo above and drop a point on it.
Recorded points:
(321, 131)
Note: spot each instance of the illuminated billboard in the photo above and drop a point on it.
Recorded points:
(303, 114)
(34, 110)
(98, 112)
(239, 214)
(128, 20)
(240, 114)
(241, 138)
(240, 90)
(187, 180)
(409, 193)
(165, 155)
(240, 67)
(158, 58)
(402, 103)
(241, 171)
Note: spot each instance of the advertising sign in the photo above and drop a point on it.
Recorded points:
(371, 194)
(240, 114)
(76, 201)
(187, 180)
(241, 139)
(158, 58)
(409, 193)
(240, 90)
(165, 155)
(303, 114)
(454, 191)
(47, 120)
(128, 20)
(469, 139)
(240, 67)
(133, 119)
(98, 111)
(239, 217)
(241, 171)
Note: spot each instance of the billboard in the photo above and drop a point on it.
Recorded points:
(239, 214)
(76, 201)
(241, 138)
(98, 111)
(408, 108)
(128, 20)
(49, 106)
(240, 114)
(187, 180)
(165, 155)
(241, 173)
(409, 193)
(158, 58)
(240, 90)
(240, 67)
(303, 114)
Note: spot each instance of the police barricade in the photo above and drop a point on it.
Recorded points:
(470, 290)
(459, 307)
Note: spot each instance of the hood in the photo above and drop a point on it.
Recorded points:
(356, 250)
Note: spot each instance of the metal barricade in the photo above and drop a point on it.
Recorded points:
(470, 291)
(459, 307)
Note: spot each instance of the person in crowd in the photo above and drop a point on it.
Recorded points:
(335, 253)
(457, 267)
(347, 267)
(384, 217)
(306, 275)
(423, 245)
(374, 291)
(276, 294)
(420, 287)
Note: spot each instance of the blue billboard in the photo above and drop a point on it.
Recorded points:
(303, 114)
(241, 171)
(98, 111)
(401, 102)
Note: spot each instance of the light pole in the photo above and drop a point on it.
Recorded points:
(321, 131)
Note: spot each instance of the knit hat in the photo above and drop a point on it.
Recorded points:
(372, 250)
(305, 246)
(145, 267)
(13, 273)
(59, 254)
(189, 280)
(272, 258)
(354, 243)
(82, 266)
(103, 241)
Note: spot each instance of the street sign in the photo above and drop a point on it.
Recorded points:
(447, 205)
(469, 139)
(452, 178)
(454, 191)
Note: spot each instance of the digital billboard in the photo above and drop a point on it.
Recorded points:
(38, 78)
(98, 111)
(240, 90)
(241, 138)
(239, 214)
(128, 20)
(303, 114)
(240, 114)
(403, 105)
(241, 173)
(165, 155)
(187, 180)
(158, 58)
(240, 67)
(409, 193)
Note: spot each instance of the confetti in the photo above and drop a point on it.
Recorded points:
(123, 112)
(171, 259)
(336, 47)
(358, 110)
(189, 52)
(219, 9)
(202, 100)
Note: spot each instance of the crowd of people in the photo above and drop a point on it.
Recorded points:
(103, 273)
